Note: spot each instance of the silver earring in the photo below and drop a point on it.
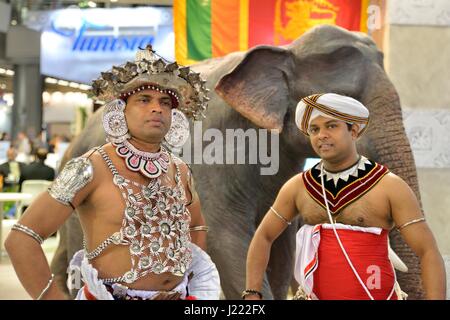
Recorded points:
(178, 133)
(114, 121)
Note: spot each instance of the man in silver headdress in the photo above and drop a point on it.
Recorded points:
(144, 234)
(348, 205)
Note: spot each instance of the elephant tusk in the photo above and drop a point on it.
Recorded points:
(396, 261)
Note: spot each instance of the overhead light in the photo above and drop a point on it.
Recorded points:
(46, 97)
(113, 0)
(51, 80)
(57, 97)
(74, 85)
(85, 87)
(92, 4)
(9, 98)
(63, 82)
(8, 72)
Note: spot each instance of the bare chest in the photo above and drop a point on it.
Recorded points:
(370, 210)
(106, 209)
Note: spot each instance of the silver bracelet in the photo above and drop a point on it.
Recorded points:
(280, 216)
(28, 231)
(199, 228)
(47, 287)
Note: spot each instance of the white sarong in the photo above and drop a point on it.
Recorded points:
(204, 284)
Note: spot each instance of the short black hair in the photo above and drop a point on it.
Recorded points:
(41, 154)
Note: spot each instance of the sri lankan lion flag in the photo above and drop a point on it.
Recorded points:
(213, 28)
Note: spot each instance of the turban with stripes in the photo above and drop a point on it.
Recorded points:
(331, 105)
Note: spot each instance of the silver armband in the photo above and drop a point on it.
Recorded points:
(281, 217)
(76, 174)
(409, 223)
(28, 231)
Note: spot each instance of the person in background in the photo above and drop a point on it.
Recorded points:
(5, 136)
(38, 170)
(11, 175)
(39, 142)
(23, 144)
(11, 171)
(53, 143)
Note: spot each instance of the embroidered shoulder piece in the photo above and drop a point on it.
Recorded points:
(345, 191)
(76, 174)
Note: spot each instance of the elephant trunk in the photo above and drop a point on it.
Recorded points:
(389, 145)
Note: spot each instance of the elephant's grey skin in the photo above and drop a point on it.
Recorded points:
(260, 89)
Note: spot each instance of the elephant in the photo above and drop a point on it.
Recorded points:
(259, 89)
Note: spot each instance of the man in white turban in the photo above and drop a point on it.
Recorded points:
(348, 205)
(334, 106)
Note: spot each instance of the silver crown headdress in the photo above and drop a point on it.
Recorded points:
(149, 69)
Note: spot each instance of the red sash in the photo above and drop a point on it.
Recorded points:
(334, 278)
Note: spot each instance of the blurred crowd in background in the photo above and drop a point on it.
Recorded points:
(28, 159)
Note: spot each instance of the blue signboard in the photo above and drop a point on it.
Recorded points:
(78, 44)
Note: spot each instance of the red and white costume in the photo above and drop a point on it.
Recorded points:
(323, 272)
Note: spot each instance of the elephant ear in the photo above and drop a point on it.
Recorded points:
(258, 87)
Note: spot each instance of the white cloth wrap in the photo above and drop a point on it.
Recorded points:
(204, 284)
(336, 102)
